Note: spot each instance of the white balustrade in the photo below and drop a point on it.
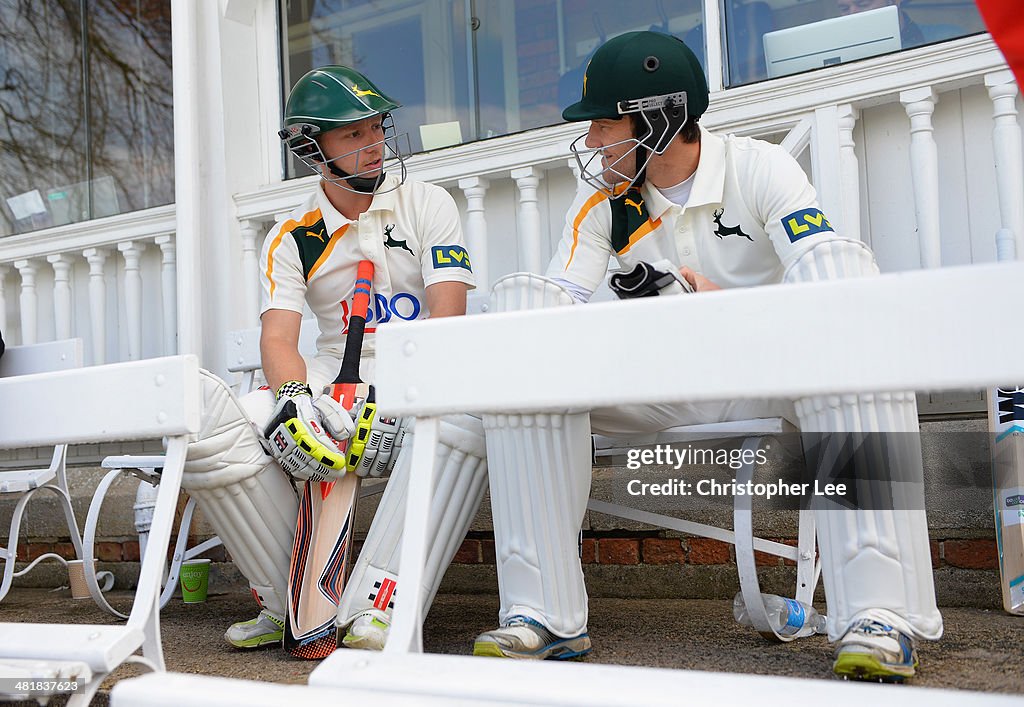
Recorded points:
(97, 258)
(924, 168)
(527, 180)
(475, 188)
(29, 300)
(169, 291)
(132, 252)
(1006, 143)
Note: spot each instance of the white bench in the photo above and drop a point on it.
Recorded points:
(811, 339)
(141, 400)
(23, 484)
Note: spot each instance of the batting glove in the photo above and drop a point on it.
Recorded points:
(305, 434)
(374, 447)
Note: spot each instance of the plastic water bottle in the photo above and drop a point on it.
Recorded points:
(788, 616)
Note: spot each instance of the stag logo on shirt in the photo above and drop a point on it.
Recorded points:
(390, 242)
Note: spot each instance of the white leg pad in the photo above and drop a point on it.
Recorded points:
(459, 487)
(243, 493)
(538, 501)
(874, 562)
(540, 482)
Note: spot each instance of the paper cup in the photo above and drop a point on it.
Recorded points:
(76, 578)
(195, 578)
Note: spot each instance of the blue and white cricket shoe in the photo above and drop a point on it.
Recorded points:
(872, 650)
(522, 637)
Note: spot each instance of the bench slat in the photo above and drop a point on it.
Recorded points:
(70, 406)
(102, 648)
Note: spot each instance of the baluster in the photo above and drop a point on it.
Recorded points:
(97, 258)
(476, 227)
(169, 293)
(29, 300)
(924, 168)
(527, 181)
(61, 264)
(1006, 142)
(849, 172)
(250, 269)
(132, 252)
(3, 298)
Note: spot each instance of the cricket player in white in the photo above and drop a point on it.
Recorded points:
(340, 125)
(727, 212)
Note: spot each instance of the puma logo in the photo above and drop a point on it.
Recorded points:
(635, 205)
(367, 92)
(318, 236)
(390, 242)
(723, 231)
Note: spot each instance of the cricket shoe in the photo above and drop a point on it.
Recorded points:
(266, 629)
(872, 650)
(522, 637)
(369, 631)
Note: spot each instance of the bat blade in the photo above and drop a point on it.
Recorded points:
(323, 532)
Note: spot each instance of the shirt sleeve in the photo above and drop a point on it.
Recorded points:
(282, 284)
(787, 204)
(443, 256)
(583, 253)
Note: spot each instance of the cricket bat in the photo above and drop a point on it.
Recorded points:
(1006, 423)
(323, 532)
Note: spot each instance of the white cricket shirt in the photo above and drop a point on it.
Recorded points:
(751, 212)
(412, 235)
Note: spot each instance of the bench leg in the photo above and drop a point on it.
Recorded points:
(406, 635)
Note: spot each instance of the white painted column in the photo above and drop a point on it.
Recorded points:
(29, 300)
(61, 264)
(3, 298)
(476, 228)
(191, 116)
(574, 165)
(849, 172)
(924, 168)
(132, 252)
(1006, 143)
(250, 231)
(97, 258)
(169, 293)
(527, 181)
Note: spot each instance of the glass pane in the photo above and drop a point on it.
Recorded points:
(413, 50)
(773, 38)
(471, 69)
(131, 114)
(532, 55)
(43, 142)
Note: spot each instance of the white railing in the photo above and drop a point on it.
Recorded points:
(109, 281)
(887, 124)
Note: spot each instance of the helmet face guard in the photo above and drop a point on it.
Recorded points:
(662, 119)
(302, 142)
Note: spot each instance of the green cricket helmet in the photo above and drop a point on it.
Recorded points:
(332, 97)
(651, 75)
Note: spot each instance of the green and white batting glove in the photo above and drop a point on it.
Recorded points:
(305, 434)
(373, 449)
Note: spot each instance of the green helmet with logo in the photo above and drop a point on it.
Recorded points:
(331, 97)
(635, 66)
(654, 79)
